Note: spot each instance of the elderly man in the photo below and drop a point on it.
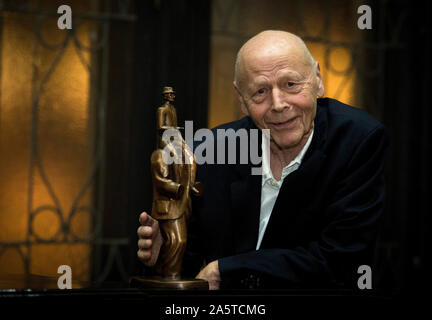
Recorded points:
(310, 219)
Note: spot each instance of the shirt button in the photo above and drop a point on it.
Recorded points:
(273, 183)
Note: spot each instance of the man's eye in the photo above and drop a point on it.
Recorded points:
(290, 84)
(261, 91)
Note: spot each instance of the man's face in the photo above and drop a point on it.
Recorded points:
(279, 93)
(170, 96)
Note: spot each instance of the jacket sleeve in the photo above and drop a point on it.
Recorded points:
(346, 242)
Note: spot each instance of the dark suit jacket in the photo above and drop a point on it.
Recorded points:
(325, 220)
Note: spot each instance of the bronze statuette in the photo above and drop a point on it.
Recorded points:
(173, 184)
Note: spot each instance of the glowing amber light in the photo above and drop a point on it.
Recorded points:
(63, 142)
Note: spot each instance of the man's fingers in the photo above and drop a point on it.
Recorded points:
(211, 274)
(146, 220)
(145, 232)
(149, 239)
(144, 243)
(143, 218)
(144, 255)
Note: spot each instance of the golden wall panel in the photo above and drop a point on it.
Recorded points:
(62, 141)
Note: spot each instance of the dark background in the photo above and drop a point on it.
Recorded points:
(168, 45)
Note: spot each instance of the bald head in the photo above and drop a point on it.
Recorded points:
(267, 43)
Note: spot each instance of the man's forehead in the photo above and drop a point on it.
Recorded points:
(282, 64)
(287, 73)
(272, 50)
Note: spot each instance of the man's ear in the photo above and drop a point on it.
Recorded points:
(320, 92)
(240, 98)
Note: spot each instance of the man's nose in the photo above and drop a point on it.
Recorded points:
(278, 103)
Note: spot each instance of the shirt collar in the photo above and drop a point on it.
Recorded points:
(266, 170)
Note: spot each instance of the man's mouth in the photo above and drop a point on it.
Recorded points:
(284, 124)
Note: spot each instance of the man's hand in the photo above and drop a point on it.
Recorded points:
(211, 273)
(149, 240)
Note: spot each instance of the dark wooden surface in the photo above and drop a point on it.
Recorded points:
(155, 304)
(38, 295)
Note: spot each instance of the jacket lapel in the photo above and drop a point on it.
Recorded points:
(246, 203)
(295, 190)
(246, 192)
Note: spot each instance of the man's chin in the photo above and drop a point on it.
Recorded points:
(288, 140)
(286, 143)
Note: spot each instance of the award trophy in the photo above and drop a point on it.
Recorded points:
(173, 170)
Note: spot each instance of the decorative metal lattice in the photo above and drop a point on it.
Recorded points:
(96, 65)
